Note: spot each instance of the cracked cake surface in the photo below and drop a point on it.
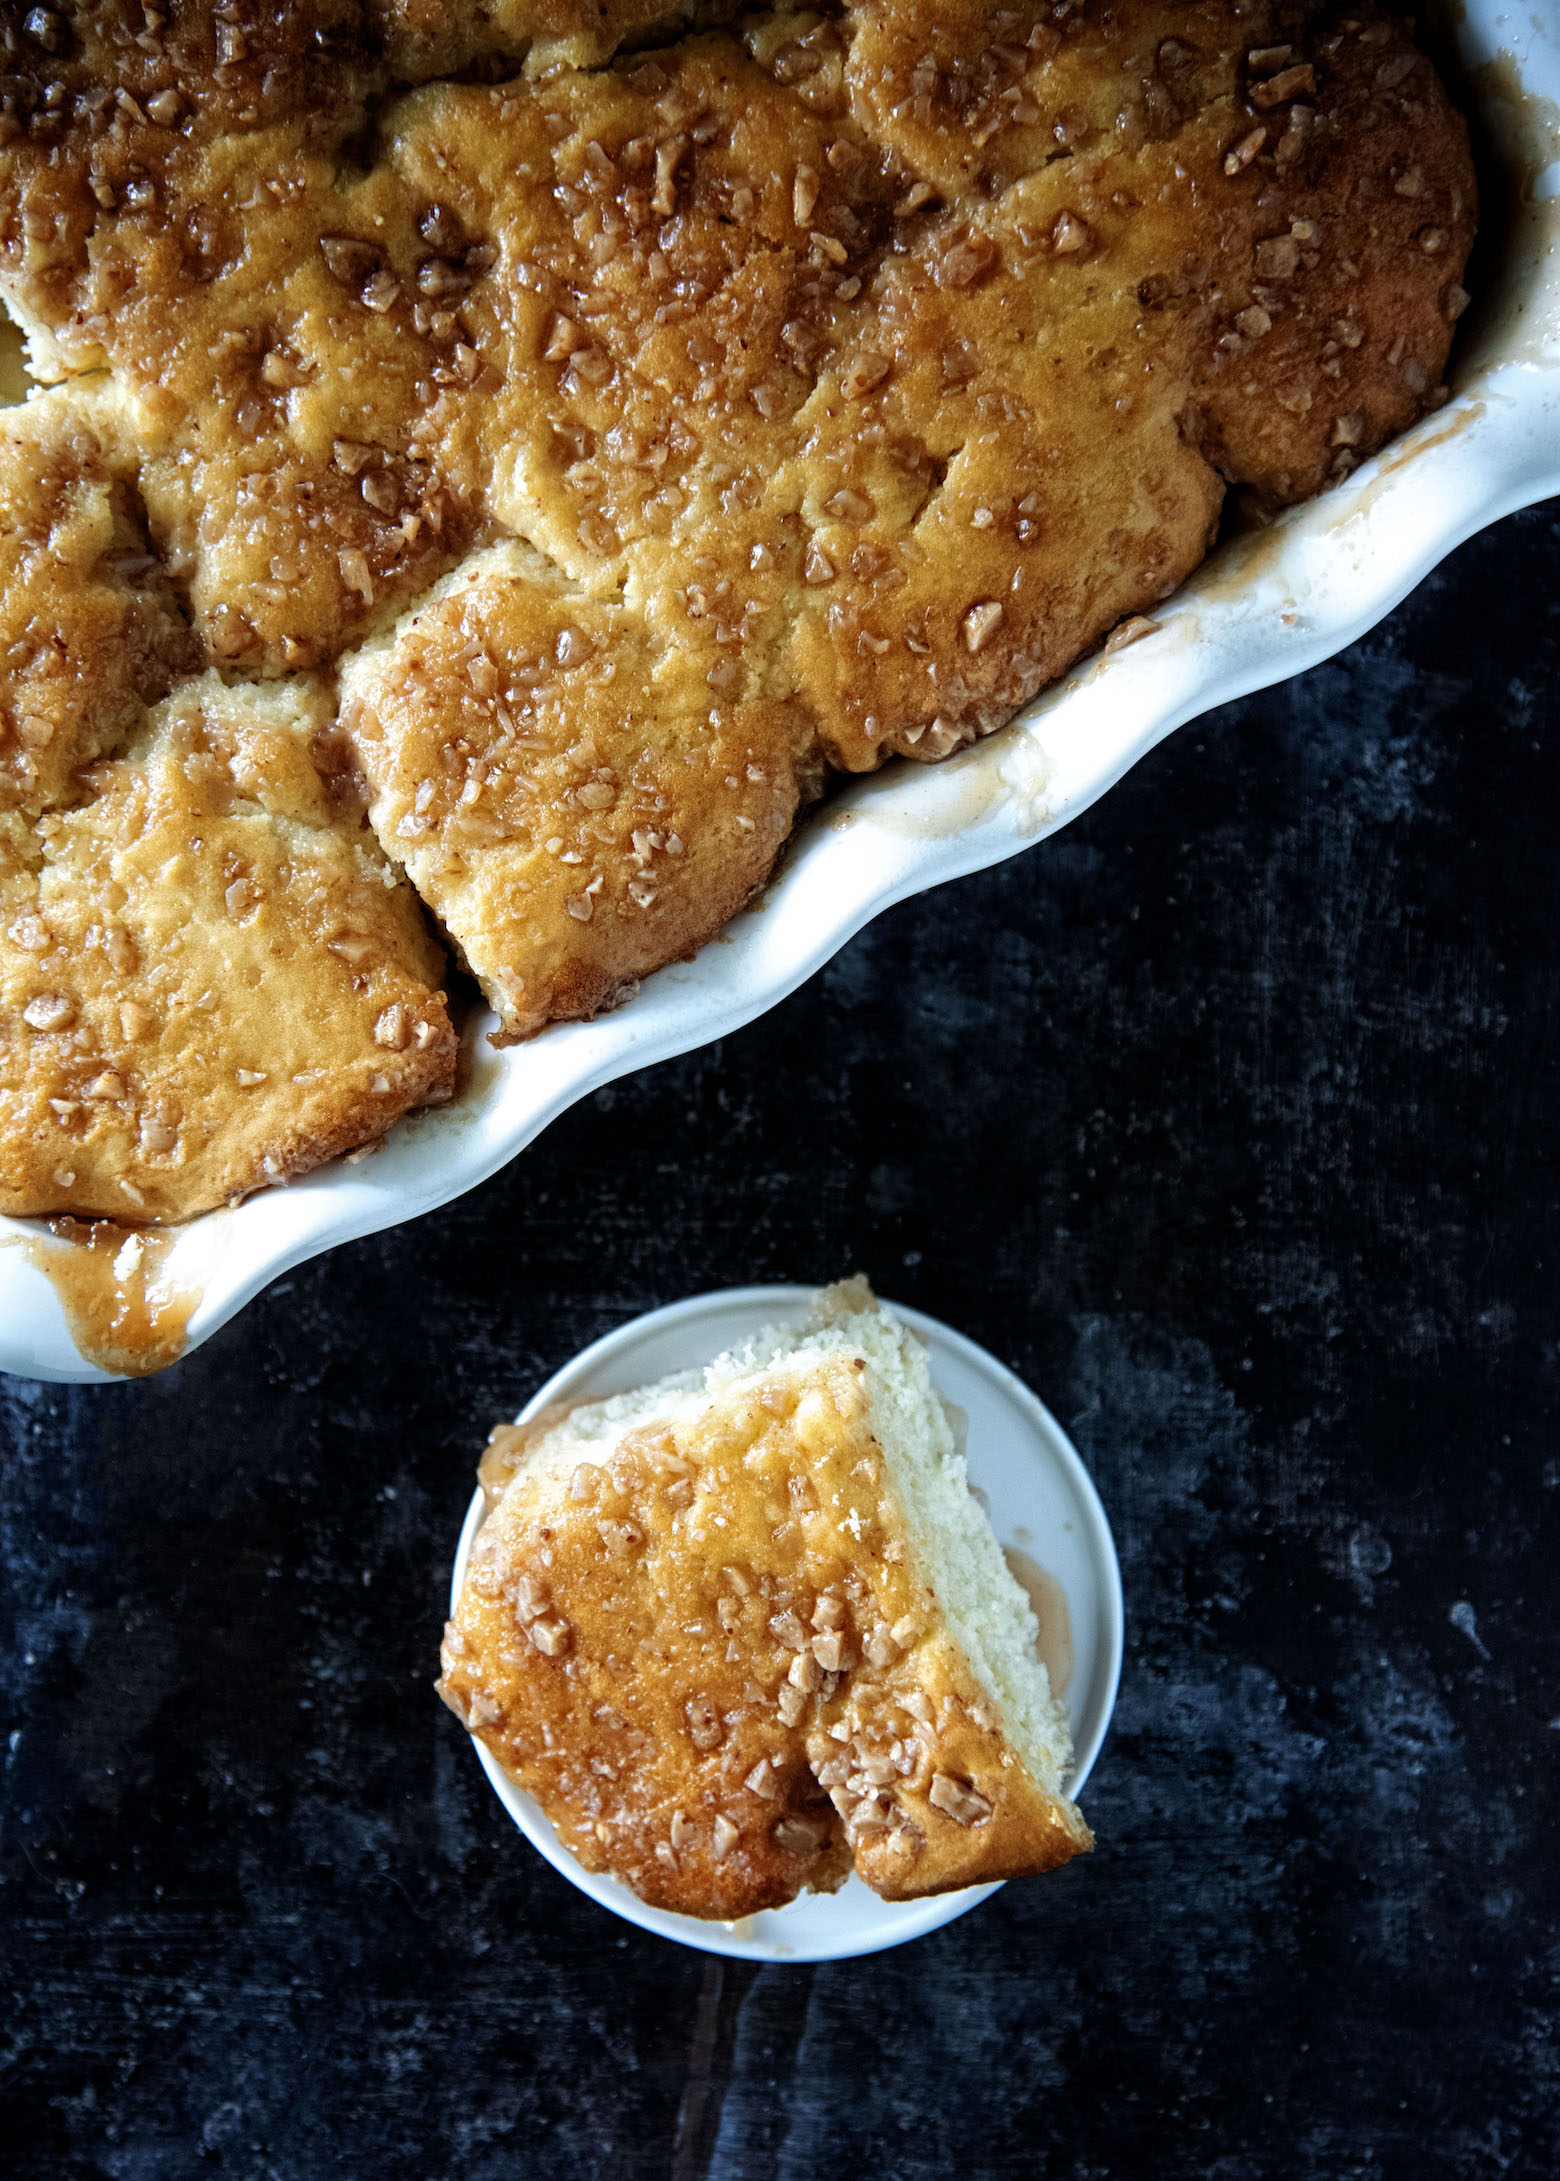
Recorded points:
(605, 420)
(747, 1630)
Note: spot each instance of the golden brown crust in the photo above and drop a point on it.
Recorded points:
(571, 813)
(716, 1664)
(1356, 199)
(90, 631)
(205, 983)
(836, 380)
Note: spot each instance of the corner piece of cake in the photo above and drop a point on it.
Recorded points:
(748, 1628)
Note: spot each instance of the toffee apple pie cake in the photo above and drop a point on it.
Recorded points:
(744, 1630)
(493, 461)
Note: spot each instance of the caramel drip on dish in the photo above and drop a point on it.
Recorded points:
(105, 1276)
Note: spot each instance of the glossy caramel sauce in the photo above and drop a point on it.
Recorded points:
(1046, 1595)
(120, 1316)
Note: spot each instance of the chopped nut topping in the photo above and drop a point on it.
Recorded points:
(1396, 70)
(704, 1725)
(355, 572)
(379, 490)
(805, 1673)
(1241, 155)
(1278, 258)
(762, 1781)
(1288, 84)
(281, 370)
(668, 158)
(958, 1799)
(966, 262)
(1130, 631)
(726, 1837)
(551, 1636)
(532, 1594)
(381, 292)
(800, 1835)
(786, 1628)
(50, 1011)
(563, 340)
(349, 260)
(867, 371)
(981, 624)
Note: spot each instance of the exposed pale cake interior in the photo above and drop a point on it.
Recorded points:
(945, 1526)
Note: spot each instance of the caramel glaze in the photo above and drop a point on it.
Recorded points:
(105, 1276)
(1046, 1595)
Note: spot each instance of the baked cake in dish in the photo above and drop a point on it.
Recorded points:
(746, 1629)
(571, 431)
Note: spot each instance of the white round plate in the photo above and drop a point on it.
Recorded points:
(1041, 1500)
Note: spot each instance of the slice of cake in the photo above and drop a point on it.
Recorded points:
(749, 1627)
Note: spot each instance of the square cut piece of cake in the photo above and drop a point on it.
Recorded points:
(749, 1627)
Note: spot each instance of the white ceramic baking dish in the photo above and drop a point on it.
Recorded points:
(1262, 609)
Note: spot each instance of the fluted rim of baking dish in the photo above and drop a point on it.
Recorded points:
(1262, 609)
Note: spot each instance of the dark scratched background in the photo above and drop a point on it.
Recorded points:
(1228, 1119)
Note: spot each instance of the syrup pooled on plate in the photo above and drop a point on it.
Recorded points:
(1046, 1595)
